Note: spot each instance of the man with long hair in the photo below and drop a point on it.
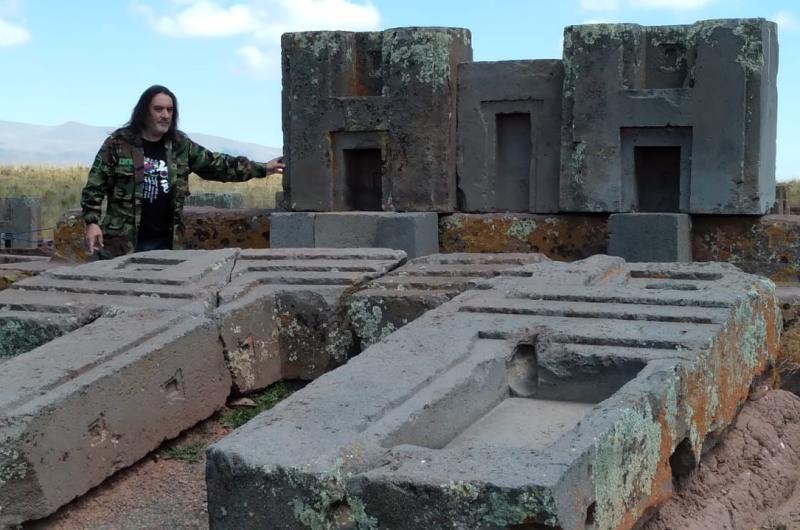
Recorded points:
(142, 170)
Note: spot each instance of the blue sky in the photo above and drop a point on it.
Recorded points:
(88, 60)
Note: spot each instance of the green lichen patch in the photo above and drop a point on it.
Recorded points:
(625, 464)
(521, 228)
(368, 321)
(19, 335)
(12, 466)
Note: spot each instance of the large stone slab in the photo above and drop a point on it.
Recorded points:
(94, 401)
(653, 237)
(415, 233)
(36, 310)
(399, 297)
(369, 119)
(509, 135)
(645, 362)
(562, 237)
(670, 118)
(100, 363)
(283, 315)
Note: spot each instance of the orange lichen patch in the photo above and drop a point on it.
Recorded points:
(661, 486)
(68, 237)
(561, 237)
(206, 229)
(768, 245)
(213, 228)
(788, 362)
(727, 370)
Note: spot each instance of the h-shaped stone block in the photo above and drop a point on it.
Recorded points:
(555, 397)
(102, 362)
(369, 119)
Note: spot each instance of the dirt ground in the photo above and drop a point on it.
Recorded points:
(749, 480)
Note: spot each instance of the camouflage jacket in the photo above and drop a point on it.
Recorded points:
(118, 176)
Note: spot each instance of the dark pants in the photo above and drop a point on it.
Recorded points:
(154, 243)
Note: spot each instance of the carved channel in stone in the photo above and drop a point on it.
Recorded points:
(628, 300)
(574, 313)
(528, 398)
(675, 275)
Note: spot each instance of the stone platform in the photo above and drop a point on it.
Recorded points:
(564, 395)
(102, 362)
(395, 299)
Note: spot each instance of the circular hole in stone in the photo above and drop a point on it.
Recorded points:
(523, 370)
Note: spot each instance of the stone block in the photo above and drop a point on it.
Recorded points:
(74, 411)
(216, 228)
(36, 310)
(655, 237)
(291, 230)
(414, 233)
(216, 200)
(560, 237)
(20, 221)
(404, 294)
(369, 119)
(509, 135)
(670, 118)
(767, 245)
(283, 314)
(101, 362)
(550, 399)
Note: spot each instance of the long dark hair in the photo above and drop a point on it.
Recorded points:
(138, 121)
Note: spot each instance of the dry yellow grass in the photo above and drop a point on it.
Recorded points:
(59, 189)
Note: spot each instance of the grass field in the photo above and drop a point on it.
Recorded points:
(59, 189)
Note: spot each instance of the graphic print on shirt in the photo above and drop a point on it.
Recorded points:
(156, 175)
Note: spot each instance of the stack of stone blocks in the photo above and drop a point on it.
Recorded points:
(20, 222)
(651, 124)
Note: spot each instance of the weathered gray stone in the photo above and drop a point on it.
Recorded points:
(76, 410)
(509, 135)
(283, 314)
(102, 362)
(20, 221)
(369, 119)
(654, 237)
(648, 359)
(416, 234)
(291, 230)
(670, 118)
(399, 297)
(216, 200)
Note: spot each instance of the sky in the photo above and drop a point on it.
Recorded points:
(89, 60)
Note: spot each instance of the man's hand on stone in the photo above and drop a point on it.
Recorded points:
(94, 238)
(275, 165)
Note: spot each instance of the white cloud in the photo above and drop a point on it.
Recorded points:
(206, 19)
(616, 5)
(259, 23)
(12, 34)
(786, 21)
(253, 57)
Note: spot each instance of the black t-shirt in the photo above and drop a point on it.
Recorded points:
(156, 200)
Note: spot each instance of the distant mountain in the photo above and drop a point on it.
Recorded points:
(74, 143)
